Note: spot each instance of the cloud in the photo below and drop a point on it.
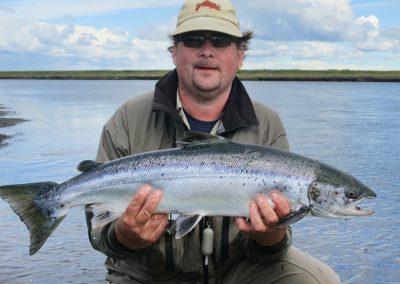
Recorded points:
(158, 32)
(296, 19)
(368, 35)
(289, 34)
(49, 9)
(303, 49)
(91, 45)
(315, 21)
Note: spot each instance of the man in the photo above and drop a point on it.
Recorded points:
(202, 94)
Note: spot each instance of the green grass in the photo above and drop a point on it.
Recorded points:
(270, 75)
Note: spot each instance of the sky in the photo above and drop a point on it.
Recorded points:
(133, 35)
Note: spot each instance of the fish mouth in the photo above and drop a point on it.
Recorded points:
(354, 210)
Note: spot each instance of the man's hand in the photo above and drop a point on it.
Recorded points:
(263, 219)
(138, 227)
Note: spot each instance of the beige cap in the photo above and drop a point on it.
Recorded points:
(216, 15)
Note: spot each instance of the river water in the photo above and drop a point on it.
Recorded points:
(352, 126)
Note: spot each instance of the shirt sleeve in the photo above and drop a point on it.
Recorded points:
(276, 135)
(258, 253)
(114, 139)
(114, 144)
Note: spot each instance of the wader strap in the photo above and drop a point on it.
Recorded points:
(169, 252)
(225, 238)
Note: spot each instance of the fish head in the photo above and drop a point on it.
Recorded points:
(334, 194)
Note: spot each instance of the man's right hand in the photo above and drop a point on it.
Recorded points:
(138, 227)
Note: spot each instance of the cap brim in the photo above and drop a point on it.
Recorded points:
(208, 24)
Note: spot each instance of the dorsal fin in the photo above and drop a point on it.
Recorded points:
(87, 165)
(194, 139)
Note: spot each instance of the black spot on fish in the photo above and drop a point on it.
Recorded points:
(314, 193)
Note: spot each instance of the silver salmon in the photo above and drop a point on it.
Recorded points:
(206, 176)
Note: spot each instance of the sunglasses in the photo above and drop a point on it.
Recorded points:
(196, 41)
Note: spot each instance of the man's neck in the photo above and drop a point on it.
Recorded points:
(206, 111)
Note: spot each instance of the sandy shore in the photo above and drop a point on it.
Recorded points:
(7, 122)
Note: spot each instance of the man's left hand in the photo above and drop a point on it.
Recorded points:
(263, 219)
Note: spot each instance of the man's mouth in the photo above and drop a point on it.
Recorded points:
(206, 67)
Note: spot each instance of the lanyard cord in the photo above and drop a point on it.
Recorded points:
(202, 226)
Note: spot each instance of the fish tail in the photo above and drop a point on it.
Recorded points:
(21, 198)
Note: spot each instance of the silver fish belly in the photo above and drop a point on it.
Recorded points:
(208, 175)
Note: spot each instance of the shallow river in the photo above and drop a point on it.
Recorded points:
(353, 126)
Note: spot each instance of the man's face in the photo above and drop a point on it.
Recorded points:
(206, 71)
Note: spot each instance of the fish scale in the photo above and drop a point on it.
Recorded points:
(206, 176)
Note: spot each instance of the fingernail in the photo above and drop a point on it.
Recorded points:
(145, 188)
(157, 193)
(260, 198)
(274, 195)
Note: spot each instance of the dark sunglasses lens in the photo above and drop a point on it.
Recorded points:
(193, 41)
(198, 40)
(221, 41)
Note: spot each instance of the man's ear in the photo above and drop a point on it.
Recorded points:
(173, 54)
(240, 59)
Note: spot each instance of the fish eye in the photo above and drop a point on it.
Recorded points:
(351, 194)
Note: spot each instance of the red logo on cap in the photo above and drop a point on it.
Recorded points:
(208, 4)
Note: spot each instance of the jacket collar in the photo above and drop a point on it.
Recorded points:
(238, 111)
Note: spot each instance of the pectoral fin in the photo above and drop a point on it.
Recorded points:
(294, 216)
(184, 224)
(102, 216)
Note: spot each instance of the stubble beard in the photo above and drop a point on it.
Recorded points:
(203, 95)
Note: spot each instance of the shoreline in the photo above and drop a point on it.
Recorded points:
(6, 121)
(246, 75)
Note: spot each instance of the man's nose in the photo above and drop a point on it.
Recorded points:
(207, 50)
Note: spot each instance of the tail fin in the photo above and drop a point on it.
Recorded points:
(39, 223)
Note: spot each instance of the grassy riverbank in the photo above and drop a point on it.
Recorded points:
(254, 75)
